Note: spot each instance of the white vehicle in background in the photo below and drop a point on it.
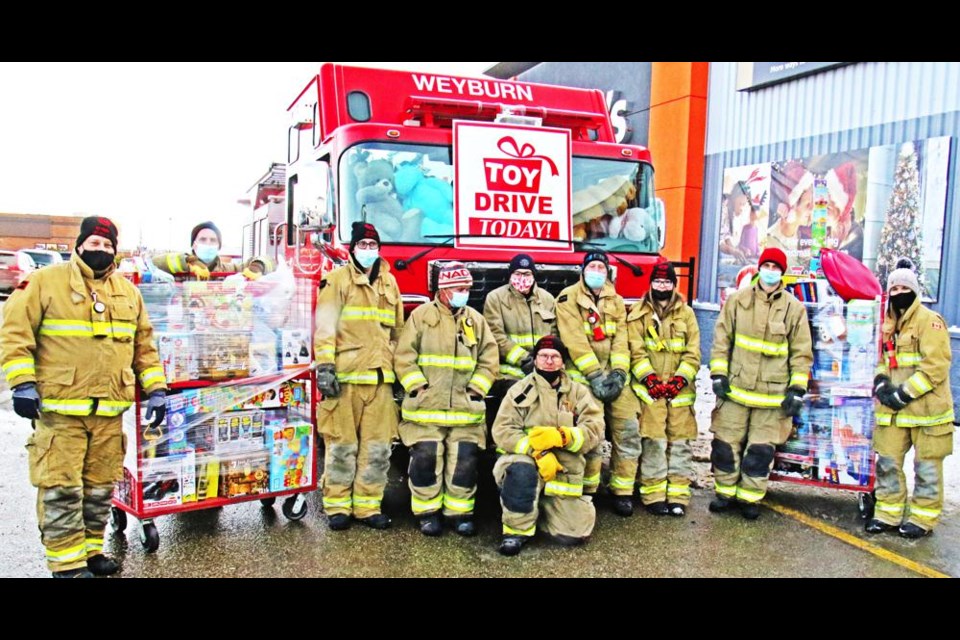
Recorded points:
(14, 267)
(44, 257)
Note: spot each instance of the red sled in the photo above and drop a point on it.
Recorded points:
(849, 277)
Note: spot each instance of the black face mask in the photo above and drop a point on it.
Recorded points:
(902, 301)
(549, 376)
(97, 260)
(661, 296)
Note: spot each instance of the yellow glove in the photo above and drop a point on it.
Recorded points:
(250, 275)
(548, 465)
(545, 438)
(200, 271)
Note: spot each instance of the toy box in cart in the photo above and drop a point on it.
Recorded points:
(227, 436)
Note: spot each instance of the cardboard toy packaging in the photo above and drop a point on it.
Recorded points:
(295, 348)
(291, 450)
(177, 355)
(223, 355)
(245, 474)
(162, 482)
(239, 427)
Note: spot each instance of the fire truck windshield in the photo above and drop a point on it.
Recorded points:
(406, 190)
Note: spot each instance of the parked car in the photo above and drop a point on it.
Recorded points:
(44, 257)
(66, 255)
(14, 267)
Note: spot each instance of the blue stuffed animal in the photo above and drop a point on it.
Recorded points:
(433, 198)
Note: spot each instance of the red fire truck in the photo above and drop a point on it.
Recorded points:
(453, 168)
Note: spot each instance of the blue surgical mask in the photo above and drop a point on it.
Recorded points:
(206, 252)
(770, 277)
(594, 280)
(366, 257)
(459, 299)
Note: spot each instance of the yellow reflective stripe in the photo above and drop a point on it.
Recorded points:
(751, 399)
(684, 400)
(500, 451)
(749, 495)
(67, 407)
(334, 503)
(893, 508)
(686, 370)
(516, 354)
(412, 380)
(676, 344)
(619, 482)
(586, 361)
(587, 328)
(423, 506)
(591, 481)
(366, 377)
(19, 367)
(728, 490)
(450, 362)
(376, 314)
(94, 544)
(620, 361)
(905, 420)
(152, 375)
(507, 370)
(799, 380)
(366, 501)
(760, 346)
(112, 407)
(660, 487)
(554, 488)
(920, 382)
(442, 417)
(119, 328)
(681, 490)
(326, 351)
(610, 328)
(523, 446)
(909, 359)
(176, 263)
(929, 514)
(642, 393)
(719, 366)
(510, 531)
(576, 376)
(577, 443)
(456, 504)
(66, 328)
(481, 382)
(642, 368)
(523, 339)
(66, 555)
(653, 345)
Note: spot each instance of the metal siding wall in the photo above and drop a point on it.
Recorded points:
(853, 107)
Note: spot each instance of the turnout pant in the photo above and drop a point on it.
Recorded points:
(931, 445)
(622, 417)
(666, 463)
(74, 462)
(443, 466)
(357, 429)
(744, 441)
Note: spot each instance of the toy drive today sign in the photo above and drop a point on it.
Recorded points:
(513, 184)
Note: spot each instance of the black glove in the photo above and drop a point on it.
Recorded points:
(327, 381)
(883, 387)
(793, 402)
(398, 392)
(897, 399)
(526, 365)
(721, 385)
(156, 407)
(613, 384)
(596, 385)
(26, 400)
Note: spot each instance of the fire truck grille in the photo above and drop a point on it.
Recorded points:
(487, 276)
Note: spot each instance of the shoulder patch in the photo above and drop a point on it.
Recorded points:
(562, 298)
(936, 324)
(22, 285)
(323, 283)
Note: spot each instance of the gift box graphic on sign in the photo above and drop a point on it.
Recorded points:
(520, 172)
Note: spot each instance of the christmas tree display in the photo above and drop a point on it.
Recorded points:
(902, 235)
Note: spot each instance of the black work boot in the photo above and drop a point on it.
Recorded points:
(511, 545)
(101, 565)
(463, 525)
(338, 522)
(677, 509)
(913, 531)
(430, 525)
(721, 504)
(657, 508)
(623, 506)
(73, 573)
(750, 510)
(876, 526)
(376, 521)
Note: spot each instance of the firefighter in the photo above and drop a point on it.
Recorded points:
(914, 409)
(359, 317)
(447, 362)
(519, 313)
(546, 424)
(760, 365)
(591, 318)
(74, 341)
(204, 258)
(665, 358)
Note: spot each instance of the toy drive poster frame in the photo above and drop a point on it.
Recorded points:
(294, 508)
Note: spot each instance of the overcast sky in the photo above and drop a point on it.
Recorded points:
(155, 146)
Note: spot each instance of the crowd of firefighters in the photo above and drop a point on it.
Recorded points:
(560, 376)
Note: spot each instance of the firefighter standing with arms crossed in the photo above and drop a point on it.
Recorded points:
(359, 318)
(591, 318)
(760, 366)
(447, 361)
(74, 341)
(665, 358)
(914, 409)
(545, 426)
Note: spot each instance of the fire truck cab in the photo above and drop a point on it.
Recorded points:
(468, 169)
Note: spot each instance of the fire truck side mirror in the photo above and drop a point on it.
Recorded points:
(660, 216)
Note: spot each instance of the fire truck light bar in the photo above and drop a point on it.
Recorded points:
(433, 110)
